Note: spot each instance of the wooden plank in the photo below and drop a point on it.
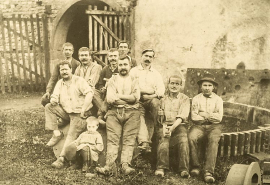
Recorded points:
(28, 56)
(12, 80)
(95, 32)
(241, 143)
(100, 35)
(258, 141)
(116, 31)
(263, 141)
(22, 48)
(247, 142)
(106, 35)
(34, 49)
(106, 28)
(125, 27)
(227, 143)
(4, 50)
(221, 146)
(17, 54)
(104, 12)
(252, 142)
(90, 32)
(40, 52)
(234, 143)
(110, 27)
(46, 47)
(2, 75)
(18, 34)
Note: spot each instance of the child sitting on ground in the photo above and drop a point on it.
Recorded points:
(89, 144)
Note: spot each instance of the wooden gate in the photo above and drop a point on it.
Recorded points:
(24, 52)
(106, 28)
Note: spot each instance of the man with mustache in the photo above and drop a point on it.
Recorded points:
(124, 50)
(123, 117)
(90, 71)
(152, 89)
(71, 99)
(206, 113)
(67, 50)
(172, 131)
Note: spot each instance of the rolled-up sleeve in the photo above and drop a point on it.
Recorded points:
(56, 92)
(217, 115)
(136, 90)
(84, 87)
(111, 92)
(184, 108)
(195, 110)
(160, 88)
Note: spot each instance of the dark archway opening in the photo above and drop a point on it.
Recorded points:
(78, 30)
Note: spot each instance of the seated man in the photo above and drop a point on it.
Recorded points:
(71, 98)
(206, 113)
(123, 117)
(152, 89)
(175, 107)
(67, 50)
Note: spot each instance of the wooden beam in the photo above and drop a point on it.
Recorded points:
(103, 12)
(106, 28)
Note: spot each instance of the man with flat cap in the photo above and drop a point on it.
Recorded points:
(206, 114)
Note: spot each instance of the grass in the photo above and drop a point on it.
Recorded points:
(26, 160)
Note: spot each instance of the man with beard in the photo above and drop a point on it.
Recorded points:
(206, 113)
(123, 117)
(124, 50)
(109, 70)
(67, 50)
(152, 89)
(71, 98)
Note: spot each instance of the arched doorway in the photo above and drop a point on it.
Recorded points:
(92, 23)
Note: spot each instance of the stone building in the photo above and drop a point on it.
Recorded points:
(203, 34)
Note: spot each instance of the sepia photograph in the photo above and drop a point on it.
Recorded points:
(137, 92)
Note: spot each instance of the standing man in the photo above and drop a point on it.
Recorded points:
(67, 50)
(123, 117)
(71, 98)
(206, 113)
(89, 70)
(172, 132)
(152, 89)
(124, 50)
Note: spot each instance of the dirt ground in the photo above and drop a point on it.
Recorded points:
(26, 160)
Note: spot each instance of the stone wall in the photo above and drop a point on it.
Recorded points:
(201, 34)
(204, 33)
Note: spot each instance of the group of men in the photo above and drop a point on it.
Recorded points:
(124, 92)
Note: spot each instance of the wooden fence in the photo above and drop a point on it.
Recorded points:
(106, 28)
(24, 52)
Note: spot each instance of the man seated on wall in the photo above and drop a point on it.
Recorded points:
(90, 71)
(71, 99)
(123, 118)
(206, 113)
(67, 50)
(173, 128)
(124, 50)
(152, 89)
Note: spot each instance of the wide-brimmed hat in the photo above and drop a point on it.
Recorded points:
(209, 78)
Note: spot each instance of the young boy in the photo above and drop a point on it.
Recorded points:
(175, 107)
(89, 144)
